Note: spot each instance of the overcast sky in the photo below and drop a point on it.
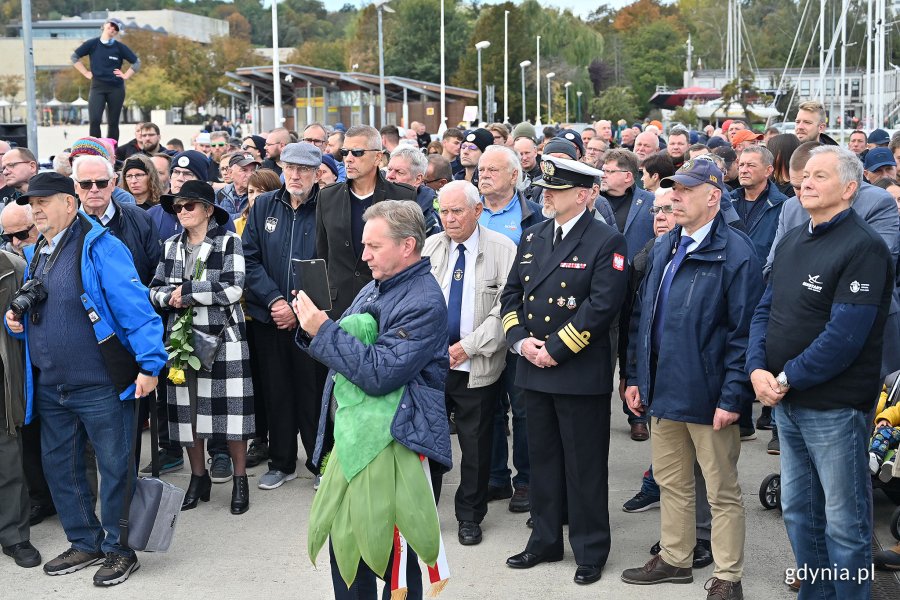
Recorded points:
(579, 7)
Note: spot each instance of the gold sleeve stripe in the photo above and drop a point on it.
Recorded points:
(510, 321)
(575, 340)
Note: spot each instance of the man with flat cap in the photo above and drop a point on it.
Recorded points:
(563, 294)
(282, 227)
(689, 333)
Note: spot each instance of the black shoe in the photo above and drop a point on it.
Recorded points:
(641, 502)
(764, 421)
(39, 512)
(748, 434)
(116, 569)
(774, 445)
(529, 523)
(702, 554)
(198, 489)
(655, 549)
(499, 493)
(257, 453)
(526, 560)
(519, 503)
(469, 533)
(220, 469)
(25, 555)
(586, 574)
(168, 463)
(240, 495)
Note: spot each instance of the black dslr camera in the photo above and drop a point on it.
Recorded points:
(29, 295)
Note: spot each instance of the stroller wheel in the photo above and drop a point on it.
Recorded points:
(895, 524)
(770, 491)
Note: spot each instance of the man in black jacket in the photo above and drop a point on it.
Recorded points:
(339, 223)
(281, 227)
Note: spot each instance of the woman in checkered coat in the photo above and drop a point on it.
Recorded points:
(202, 269)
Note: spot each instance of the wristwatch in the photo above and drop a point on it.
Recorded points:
(782, 380)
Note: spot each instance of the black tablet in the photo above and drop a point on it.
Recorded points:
(310, 276)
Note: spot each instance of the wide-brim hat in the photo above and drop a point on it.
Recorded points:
(198, 191)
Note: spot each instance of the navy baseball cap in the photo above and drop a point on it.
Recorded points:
(879, 157)
(694, 172)
(879, 137)
(47, 184)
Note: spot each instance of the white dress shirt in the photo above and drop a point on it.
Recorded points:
(467, 316)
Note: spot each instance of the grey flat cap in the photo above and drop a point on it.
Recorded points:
(301, 153)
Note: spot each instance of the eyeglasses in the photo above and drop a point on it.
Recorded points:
(358, 153)
(313, 141)
(616, 171)
(19, 235)
(9, 166)
(665, 209)
(267, 144)
(248, 147)
(137, 175)
(468, 147)
(183, 173)
(292, 168)
(219, 145)
(188, 206)
(100, 183)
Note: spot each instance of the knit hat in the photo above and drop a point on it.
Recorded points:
(525, 129)
(193, 161)
(88, 146)
(329, 162)
(480, 137)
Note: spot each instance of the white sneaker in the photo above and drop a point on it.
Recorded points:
(317, 482)
(874, 465)
(274, 478)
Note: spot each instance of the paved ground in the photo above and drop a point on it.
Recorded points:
(263, 553)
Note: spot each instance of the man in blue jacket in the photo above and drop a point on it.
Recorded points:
(691, 319)
(95, 308)
(758, 201)
(282, 227)
(410, 351)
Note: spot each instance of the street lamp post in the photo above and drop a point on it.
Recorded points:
(381, 6)
(568, 83)
(276, 71)
(480, 46)
(506, 66)
(578, 107)
(550, 76)
(537, 86)
(522, 65)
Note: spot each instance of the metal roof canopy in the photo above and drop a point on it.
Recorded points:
(261, 78)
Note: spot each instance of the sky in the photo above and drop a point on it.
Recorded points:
(580, 8)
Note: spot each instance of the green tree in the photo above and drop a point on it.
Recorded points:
(412, 41)
(616, 103)
(655, 56)
(321, 54)
(152, 90)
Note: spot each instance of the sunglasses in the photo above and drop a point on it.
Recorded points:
(101, 184)
(218, 145)
(188, 206)
(19, 235)
(357, 153)
(469, 147)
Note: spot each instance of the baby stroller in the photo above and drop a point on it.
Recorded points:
(770, 488)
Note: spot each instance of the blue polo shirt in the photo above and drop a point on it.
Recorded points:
(507, 220)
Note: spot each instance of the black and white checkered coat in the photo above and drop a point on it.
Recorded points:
(224, 395)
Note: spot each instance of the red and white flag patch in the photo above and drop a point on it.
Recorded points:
(618, 262)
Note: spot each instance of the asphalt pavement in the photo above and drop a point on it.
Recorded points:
(262, 553)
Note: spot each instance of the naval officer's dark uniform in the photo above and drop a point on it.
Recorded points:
(567, 297)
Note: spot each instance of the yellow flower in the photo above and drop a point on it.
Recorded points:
(176, 376)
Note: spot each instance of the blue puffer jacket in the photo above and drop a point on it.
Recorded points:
(411, 351)
(702, 351)
(764, 224)
(121, 301)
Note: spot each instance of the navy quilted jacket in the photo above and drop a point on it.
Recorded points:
(411, 351)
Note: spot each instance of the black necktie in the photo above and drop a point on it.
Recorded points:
(558, 238)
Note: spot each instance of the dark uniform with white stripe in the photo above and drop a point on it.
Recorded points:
(567, 297)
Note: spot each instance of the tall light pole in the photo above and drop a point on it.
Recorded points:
(537, 87)
(550, 76)
(381, 6)
(276, 70)
(522, 65)
(443, 125)
(506, 66)
(480, 46)
(30, 99)
(568, 83)
(578, 107)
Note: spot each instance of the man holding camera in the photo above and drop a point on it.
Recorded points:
(82, 298)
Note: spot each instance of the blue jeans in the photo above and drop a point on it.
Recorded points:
(510, 397)
(648, 483)
(825, 498)
(71, 415)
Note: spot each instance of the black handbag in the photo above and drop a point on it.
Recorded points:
(206, 345)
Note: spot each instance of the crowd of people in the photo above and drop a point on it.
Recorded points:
(512, 274)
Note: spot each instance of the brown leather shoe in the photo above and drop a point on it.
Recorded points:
(639, 432)
(657, 571)
(719, 589)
